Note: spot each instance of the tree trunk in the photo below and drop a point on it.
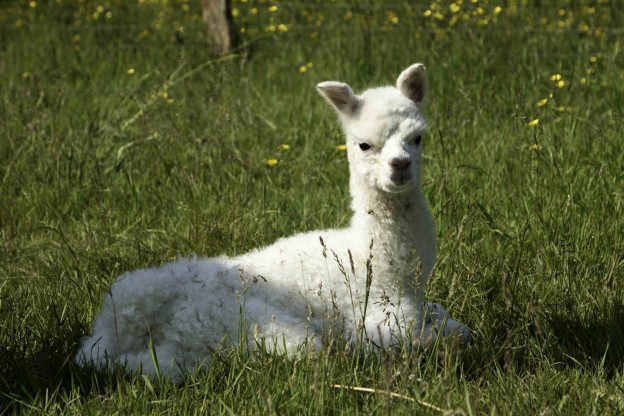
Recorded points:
(217, 14)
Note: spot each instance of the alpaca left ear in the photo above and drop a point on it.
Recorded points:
(413, 83)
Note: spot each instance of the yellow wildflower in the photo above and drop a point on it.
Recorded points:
(583, 81)
(560, 84)
(273, 9)
(303, 69)
(498, 9)
(341, 147)
(284, 146)
(130, 71)
(32, 4)
(536, 147)
(533, 122)
(282, 27)
(542, 102)
(272, 162)
(454, 8)
(26, 74)
(555, 77)
(235, 12)
(427, 13)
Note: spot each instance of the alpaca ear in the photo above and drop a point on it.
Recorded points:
(340, 96)
(413, 83)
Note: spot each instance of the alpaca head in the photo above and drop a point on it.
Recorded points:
(384, 128)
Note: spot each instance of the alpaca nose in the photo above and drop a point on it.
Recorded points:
(401, 163)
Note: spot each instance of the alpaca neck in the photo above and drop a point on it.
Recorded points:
(390, 220)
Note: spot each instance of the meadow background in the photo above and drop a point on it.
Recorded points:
(125, 143)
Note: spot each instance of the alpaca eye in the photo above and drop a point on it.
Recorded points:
(365, 146)
(417, 140)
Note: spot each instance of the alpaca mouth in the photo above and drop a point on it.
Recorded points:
(401, 177)
(399, 183)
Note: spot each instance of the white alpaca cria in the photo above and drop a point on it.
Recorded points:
(364, 282)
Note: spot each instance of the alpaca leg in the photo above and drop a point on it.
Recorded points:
(439, 324)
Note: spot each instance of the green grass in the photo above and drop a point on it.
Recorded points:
(100, 174)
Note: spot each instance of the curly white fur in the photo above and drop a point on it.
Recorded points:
(308, 289)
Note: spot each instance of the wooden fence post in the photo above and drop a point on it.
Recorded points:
(217, 15)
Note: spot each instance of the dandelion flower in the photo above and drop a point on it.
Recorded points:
(235, 12)
(273, 9)
(533, 122)
(303, 69)
(454, 8)
(427, 13)
(536, 147)
(341, 147)
(583, 81)
(560, 84)
(542, 102)
(130, 71)
(270, 28)
(555, 77)
(593, 59)
(32, 4)
(282, 27)
(498, 9)
(272, 162)
(284, 146)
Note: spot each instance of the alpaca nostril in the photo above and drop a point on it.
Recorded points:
(401, 163)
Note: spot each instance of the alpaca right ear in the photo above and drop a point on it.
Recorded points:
(413, 83)
(340, 96)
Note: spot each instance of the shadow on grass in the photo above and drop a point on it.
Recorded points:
(594, 340)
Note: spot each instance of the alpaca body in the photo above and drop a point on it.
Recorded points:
(305, 290)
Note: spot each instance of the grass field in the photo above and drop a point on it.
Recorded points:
(124, 143)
